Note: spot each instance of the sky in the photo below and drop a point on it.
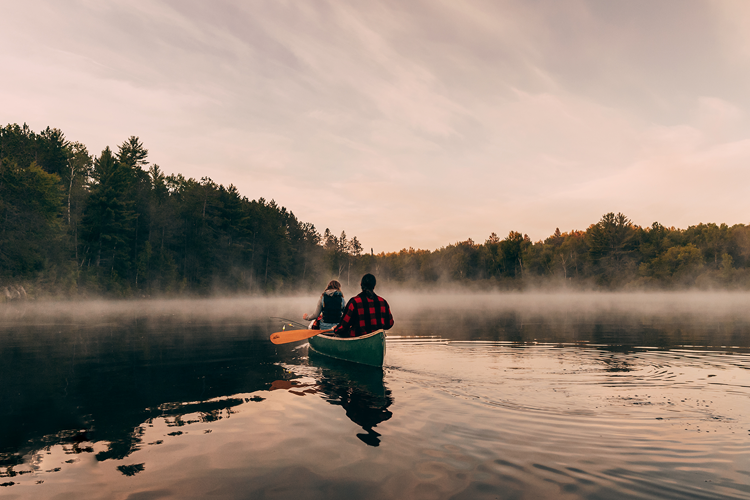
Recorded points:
(408, 123)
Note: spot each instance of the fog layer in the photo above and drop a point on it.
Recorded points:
(411, 310)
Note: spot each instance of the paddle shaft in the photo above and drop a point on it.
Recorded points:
(288, 336)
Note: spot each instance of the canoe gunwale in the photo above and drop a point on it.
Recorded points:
(361, 337)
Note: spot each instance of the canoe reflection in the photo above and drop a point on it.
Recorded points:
(359, 389)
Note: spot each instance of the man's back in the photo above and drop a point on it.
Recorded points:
(365, 313)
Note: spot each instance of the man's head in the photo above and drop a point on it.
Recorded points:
(368, 282)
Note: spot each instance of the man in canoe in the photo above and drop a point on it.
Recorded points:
(365, 313)
(331, 305)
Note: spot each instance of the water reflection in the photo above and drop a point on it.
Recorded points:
(491, 404)
(495, 321)
(359, 389)
(82, 385)
(97, 390)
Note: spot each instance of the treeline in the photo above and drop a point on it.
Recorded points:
(114, 224)
(612, 254)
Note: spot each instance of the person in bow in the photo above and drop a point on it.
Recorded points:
(330, 308)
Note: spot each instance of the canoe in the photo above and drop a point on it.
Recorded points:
(367, 349)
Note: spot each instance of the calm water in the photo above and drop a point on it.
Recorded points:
(492, 396)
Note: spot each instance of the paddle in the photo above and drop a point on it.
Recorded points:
(294, 335)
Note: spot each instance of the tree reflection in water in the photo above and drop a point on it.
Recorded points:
(77, 386)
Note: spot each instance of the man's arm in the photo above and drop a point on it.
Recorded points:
(389, 317)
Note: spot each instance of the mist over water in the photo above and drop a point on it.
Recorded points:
(482, 396)
(719, 315)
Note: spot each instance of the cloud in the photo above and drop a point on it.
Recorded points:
(407, 123)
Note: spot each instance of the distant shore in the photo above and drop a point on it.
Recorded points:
(114, 225)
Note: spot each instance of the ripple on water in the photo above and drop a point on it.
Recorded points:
(647, 429)
(446, 419)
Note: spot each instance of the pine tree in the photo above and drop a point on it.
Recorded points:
(132, 153)
(108, 220)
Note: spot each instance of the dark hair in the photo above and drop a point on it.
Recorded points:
(334, 285)
(368, 282)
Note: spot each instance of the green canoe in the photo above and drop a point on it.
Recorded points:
(367, 349)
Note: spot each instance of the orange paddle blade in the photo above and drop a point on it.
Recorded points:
(294, 335)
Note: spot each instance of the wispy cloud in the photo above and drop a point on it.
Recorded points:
(407, 123)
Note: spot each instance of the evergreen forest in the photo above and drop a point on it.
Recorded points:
(73, 224)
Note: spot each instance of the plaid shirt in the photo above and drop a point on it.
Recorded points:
(364, 315)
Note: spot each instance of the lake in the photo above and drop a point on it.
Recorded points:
(509, 396)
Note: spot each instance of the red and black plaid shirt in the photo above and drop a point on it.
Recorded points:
(364, 315)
